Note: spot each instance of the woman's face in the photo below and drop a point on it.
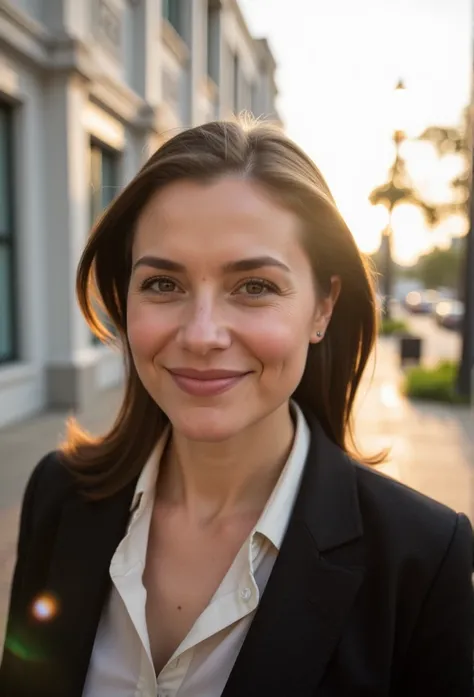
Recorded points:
(222, 305)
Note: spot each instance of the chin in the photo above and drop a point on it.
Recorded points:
(206, 425)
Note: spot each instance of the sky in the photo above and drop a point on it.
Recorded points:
(338, 64)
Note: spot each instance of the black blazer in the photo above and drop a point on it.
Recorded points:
(370, 595)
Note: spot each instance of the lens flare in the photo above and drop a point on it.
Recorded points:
(44, 608)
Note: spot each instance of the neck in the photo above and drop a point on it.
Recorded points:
(213, 481)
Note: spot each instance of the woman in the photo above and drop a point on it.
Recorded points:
(220, 539)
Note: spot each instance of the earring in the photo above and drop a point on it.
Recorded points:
(319, 334)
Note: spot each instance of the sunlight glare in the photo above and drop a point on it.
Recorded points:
(389, 396)
(410, 234)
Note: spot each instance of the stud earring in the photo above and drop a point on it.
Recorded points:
(319, 334)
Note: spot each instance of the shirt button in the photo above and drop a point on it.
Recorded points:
(245, 594)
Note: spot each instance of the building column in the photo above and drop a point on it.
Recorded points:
(195, 35)
(70, 371)
(147, 68)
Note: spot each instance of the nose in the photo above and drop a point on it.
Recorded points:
(202, 329)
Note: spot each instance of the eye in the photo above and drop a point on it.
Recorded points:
(256, 288)
(161, 285)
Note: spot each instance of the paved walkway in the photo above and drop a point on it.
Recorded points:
(432, 449)
(21, 447)
(432, 445)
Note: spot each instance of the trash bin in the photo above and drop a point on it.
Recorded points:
(410, 349)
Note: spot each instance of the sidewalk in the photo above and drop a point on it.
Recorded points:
(21, 447)
(432, 449)
(432, 445)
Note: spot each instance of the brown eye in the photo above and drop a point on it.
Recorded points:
(255, 287)
(165, 285)
(161, 285)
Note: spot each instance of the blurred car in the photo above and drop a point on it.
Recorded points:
(422, 302)
(450, 314)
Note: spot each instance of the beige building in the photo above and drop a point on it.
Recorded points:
(88, 88)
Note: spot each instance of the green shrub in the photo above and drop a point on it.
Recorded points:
(389, 327)
(437, 384)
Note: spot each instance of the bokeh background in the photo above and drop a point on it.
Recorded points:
(379, 92)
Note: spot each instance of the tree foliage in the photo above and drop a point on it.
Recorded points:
(440, 268)
(453, 141)
(399, 188)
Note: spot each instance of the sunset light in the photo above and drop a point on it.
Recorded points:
(346, 117)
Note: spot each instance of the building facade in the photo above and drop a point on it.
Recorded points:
(87, 91)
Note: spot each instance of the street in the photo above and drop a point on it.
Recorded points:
(431, 446)
(438, 343)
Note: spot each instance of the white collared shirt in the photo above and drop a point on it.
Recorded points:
(121, 664)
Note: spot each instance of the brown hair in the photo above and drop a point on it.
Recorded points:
(334, 367)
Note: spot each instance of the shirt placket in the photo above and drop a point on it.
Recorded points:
(127, 577)
(236, 597)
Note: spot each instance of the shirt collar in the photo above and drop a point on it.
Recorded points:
(276, 515)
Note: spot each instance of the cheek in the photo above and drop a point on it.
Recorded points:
(278, 340)
(145, 332)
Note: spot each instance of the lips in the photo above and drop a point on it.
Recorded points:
(206, 383)
(206, 374)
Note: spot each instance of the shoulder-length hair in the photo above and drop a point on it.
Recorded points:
(334, 367)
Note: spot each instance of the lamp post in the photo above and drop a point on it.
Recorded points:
(466, 368)
(465, 381)
(387, 236)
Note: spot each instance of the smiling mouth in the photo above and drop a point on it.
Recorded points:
(206, 383)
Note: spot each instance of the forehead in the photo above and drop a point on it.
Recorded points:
(229, 215)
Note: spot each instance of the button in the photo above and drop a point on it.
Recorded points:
(246, 594)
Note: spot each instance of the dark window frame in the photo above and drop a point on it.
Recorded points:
(213, 59)
(172, 11)
(98, 148)
(236, 82)
(8, 238)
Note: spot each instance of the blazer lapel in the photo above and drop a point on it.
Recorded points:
(312, 587)
(78, 580)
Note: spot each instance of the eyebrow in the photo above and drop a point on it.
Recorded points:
(240, 265)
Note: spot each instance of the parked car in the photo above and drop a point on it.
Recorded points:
(450, 314)
(422, 302)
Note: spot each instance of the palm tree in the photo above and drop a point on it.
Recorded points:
(454, 141)
(449, 141)
(397, 190)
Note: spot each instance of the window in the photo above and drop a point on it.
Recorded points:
(8, 329)
(172, 12)
(255, 99)
(213, 43)
(235, 82)
(104, 177)
(246, 95)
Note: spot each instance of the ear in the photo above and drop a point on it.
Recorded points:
(324, 309)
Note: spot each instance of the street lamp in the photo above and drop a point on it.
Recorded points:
(387, 235)
(465, 383)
